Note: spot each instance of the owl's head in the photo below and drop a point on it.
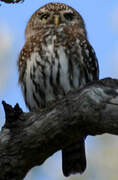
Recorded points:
(55, 15)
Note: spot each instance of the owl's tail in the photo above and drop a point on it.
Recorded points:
(74, 158)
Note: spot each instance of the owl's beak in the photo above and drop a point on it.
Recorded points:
(56, 20)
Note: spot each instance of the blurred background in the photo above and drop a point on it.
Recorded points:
(101, 18)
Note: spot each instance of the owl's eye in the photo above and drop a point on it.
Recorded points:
(44, 17)
(69, 16)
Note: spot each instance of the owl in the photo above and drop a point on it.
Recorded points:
(57, 58)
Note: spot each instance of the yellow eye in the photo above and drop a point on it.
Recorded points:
(44, 17)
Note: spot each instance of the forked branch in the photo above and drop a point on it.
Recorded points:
(28, 139)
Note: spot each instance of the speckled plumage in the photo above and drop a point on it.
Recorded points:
(57, 58)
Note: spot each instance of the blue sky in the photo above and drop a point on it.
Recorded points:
(101, 22)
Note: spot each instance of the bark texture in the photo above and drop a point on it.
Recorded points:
(28, 139)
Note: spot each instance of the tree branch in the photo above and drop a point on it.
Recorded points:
(28, 139)
(11, 1)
